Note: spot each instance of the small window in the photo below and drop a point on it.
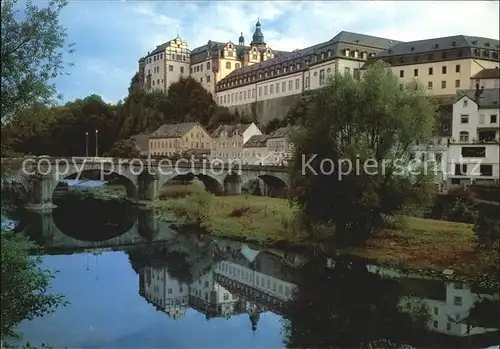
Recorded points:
(443, 69)
(464, 136)
(415, 72)
(493, 119)
(457, 300)
(401, 73)
(436, 311)
(435, 324)
(464, 119)
(457, 68)
(465, 103)
(486, 170)
(429, 85)
(443, 84)
(448, 326)
(431, 71)
(457, 83)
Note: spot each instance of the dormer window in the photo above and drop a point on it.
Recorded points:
(412, 49)
(390, 51)
(474, 42)
(454, 43)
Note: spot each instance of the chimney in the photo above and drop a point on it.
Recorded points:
(477, 94)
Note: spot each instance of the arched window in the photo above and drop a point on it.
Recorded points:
(236, 65)
(228, 65)
(464, 136)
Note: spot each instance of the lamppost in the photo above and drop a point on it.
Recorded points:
(96, 142)
(86, 144)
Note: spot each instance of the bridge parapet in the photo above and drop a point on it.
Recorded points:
(144, 176)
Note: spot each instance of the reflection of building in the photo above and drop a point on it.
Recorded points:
(449, 311)
(449, 303)
(247, 282)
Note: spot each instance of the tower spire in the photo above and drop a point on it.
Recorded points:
(258, 37)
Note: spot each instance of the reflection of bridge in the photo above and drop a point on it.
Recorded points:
(146, 228)
(40, 176)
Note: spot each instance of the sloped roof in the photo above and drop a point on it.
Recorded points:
(492, 73)
(173, 130)
(256, 141)
(281, 132)
(229, 129)
(342, 37)
(490, 97)
(444, 43)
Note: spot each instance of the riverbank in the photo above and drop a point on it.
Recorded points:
(412, 243)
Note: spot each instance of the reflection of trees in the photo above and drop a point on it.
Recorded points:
(349, 307)
(185, 259)
(485, 314)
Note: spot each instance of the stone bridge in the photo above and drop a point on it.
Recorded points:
(144, 177)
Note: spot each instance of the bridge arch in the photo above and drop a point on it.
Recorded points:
(212, 184)
(128, 179)
(110, 219)
(274, 185)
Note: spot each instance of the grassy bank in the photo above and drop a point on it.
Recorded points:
(413, 243)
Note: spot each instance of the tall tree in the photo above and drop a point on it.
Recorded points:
(31, 55)
(368, 125)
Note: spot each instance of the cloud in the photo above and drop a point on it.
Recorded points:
(110, 37)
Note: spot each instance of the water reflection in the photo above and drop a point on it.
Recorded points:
(159, 284)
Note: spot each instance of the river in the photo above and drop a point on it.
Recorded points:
(134, 282)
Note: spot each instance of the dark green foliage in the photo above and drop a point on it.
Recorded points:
(31, 54)
(124, 148)
(360, 121)
(349, 307)
(61, 131)
(25, 287)
(487, 225)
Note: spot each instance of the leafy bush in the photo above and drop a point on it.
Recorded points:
(24, 285)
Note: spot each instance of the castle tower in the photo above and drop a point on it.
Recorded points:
(241, 40)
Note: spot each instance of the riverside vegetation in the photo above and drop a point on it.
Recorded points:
(404, 242)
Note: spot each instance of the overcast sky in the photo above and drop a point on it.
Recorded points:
(111, 36)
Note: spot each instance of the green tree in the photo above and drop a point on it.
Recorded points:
(371, 122)
(24, 285)
(32, 54)
(124, 148)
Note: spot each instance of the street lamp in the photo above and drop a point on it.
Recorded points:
(86, 144)
(96, 142)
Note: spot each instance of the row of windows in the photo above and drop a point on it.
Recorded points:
(444, 70)
(170, 68)
(261, 281)
(175, 144)
(263, 90)
(484, 170)
(173, 56)
(430, 85)
(246, 78)
(464, 118)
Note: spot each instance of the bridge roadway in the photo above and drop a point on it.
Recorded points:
(40, 176)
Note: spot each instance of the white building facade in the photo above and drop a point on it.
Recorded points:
(473, 155)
